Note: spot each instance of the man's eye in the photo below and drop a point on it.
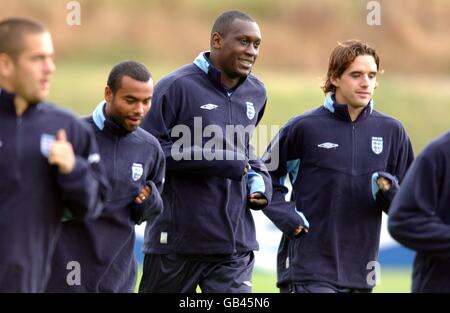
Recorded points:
(38, 58)
(244, 41)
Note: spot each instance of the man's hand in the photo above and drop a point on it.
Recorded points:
(384, 183)
(143, 195)
(299, 229)
(257, 199)
(246, 169)
(61, 153)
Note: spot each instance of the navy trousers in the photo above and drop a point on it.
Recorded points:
(183, 273)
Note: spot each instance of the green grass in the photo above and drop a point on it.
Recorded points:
(393, 280)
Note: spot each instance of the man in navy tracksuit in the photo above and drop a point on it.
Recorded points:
(420, 216)
(343, 160)
(135, 165)
(49, 160)
(206, 235)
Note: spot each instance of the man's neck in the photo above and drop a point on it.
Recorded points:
(228, 82)
(354, 112)
(21, 105)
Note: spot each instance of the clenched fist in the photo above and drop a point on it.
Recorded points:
(384, 183)
(143, 195)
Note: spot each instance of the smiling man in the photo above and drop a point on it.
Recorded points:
(344, 160)
(206, 235)
(49, 159)
(134, 161)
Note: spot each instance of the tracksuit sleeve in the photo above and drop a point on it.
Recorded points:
(84, 190)
(160, 121)
(258, 179)
(281, 212)
(152, 207)
(413, 220)
(405, 156)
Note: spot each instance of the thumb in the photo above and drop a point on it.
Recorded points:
(61, 135)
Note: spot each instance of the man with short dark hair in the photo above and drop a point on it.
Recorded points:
(343, 160)
(206, 235)
(49, 160)
(134, 161)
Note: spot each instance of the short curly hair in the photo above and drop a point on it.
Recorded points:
(135, 70)
(223, 21)
(341, 58)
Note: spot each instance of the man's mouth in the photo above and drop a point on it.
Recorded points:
(134, 120)
(363, 93)
(45, 83)
(246, 63)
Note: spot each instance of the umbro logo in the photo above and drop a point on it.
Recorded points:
(209, 106)
(328, 145)
(94, 158)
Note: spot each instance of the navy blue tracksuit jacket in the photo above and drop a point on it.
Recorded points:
(420, 216)
(104, 247)
(205, 199)
(332, 162)
(33, 194)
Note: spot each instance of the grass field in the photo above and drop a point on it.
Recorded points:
(393, 280)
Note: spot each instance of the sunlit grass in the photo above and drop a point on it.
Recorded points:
(393, 280)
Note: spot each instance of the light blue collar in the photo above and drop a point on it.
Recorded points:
(202, 62)
(328, 103)
(98, 115)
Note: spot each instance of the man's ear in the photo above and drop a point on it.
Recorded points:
(6, 65)
(108, 94)
(216, 41)
(334, 80)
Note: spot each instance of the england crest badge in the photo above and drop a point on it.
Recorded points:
(250, 110)
(377, 145)
(46, 143)
(136, 171)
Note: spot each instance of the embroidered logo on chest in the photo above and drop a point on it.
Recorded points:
(46, 143)
(377, 145)
(136, 171)
(250, 110)
(209, 106)
(328, 145)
